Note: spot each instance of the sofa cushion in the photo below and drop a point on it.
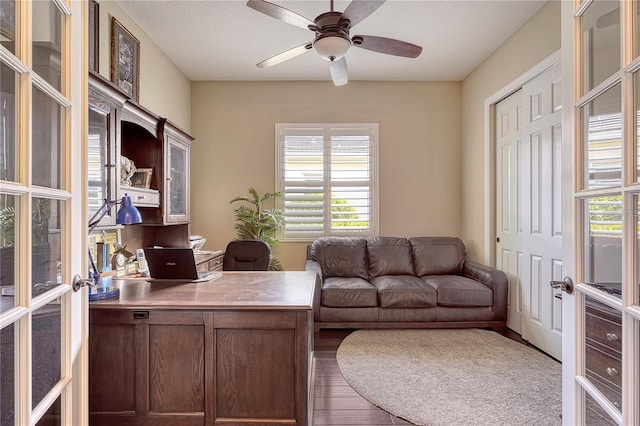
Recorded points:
(459, 291)
(404, 291)
(342, 292)
(437, 255)
(389, 256)
(341, 256)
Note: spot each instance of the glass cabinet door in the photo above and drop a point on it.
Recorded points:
(104, 104)
(100, 164)
(178, 145)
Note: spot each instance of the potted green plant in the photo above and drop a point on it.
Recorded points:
(256, 222)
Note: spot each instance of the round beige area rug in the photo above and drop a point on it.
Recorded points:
(453, 377)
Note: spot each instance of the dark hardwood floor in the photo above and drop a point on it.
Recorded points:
(336, 403)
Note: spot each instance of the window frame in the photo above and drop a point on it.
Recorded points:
(328, 130)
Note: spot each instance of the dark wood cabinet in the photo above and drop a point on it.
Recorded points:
(121, 129)
(236, 350)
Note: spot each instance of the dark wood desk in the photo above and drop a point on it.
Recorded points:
(234, 350)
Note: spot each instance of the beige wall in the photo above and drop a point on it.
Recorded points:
(419, 131)
(533, 42)
(164, 89)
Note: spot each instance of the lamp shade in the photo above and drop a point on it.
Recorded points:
(332, 47)
(128, 213)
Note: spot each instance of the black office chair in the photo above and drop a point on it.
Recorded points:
(246, 255)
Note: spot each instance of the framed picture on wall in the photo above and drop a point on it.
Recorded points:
(125, 59)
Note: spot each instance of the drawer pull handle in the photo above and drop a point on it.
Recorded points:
(612, 371)
(141, 315)
(612, 337)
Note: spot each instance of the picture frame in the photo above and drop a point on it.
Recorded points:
(8, 19)
(141, 178)
(125, 59)
(94, 36)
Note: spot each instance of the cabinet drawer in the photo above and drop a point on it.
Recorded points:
(208, 262)
(215, 264)
(142, 197)
(145, 316)
(605, 366)
(604, 329)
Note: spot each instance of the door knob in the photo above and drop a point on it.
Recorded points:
(79, 282)
(565, 285)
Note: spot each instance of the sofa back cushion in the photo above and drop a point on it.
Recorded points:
(438, 255)
(389, 256)
(341, 256)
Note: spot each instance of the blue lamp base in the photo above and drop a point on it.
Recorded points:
(101, 293)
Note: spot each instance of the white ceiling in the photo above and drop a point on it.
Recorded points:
(224, 39)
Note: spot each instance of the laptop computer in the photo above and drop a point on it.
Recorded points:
(175, 264)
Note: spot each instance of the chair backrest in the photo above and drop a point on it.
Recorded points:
(246, 255)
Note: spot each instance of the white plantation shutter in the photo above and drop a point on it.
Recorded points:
(327, 176)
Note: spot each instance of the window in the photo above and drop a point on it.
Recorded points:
(327, 175)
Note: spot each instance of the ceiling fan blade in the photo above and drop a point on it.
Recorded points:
(339, 72)
(280, 13)
(285, 56)
(386, 45)
(360, 9)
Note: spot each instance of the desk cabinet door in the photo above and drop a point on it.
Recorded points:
(146, 367)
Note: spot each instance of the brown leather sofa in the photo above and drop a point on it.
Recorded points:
(419, 282)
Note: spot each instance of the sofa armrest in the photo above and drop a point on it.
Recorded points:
(494, 279)
(314, 266)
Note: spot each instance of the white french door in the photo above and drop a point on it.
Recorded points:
(43, 104)
(601, 373)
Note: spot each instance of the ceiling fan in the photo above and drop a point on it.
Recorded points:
(332, 40)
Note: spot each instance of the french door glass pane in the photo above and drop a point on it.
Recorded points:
(603, 349)
(7, 363)
(601, 42)
(7, 251)
(603, 240)
(46, 361)
(53, 416)
(8, 24)
(602, 143)
(47, 41)
(46, 244)
(8, 83)
(595, 415)
(637, 261)
(636, 28)
(636, 85)
(47, 136)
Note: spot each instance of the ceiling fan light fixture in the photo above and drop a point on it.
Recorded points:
(332, 47)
